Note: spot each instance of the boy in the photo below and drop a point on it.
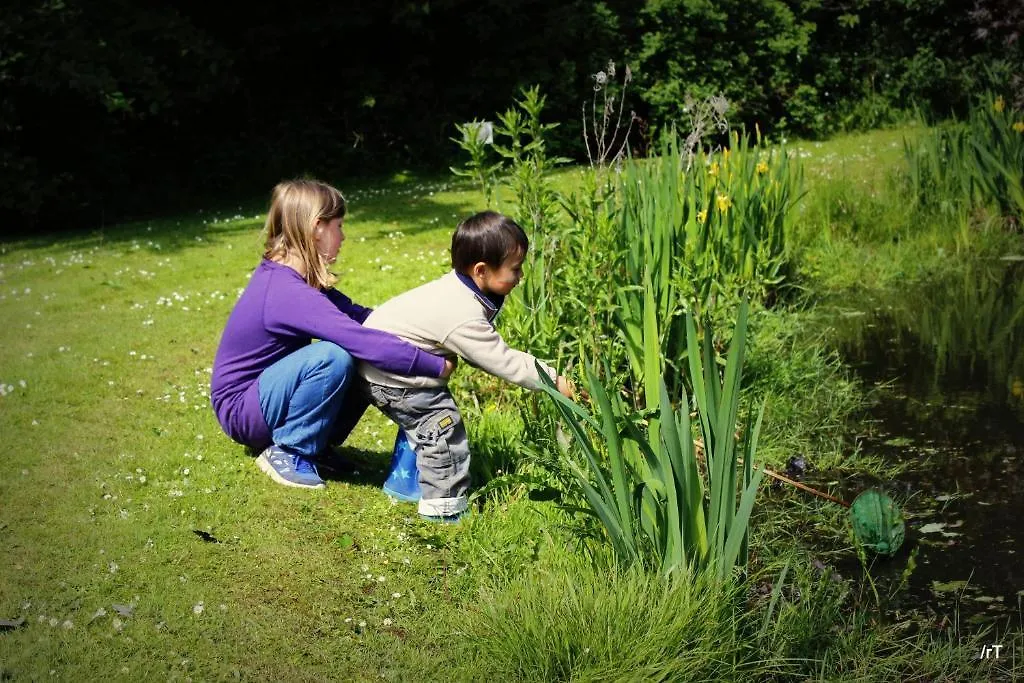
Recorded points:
(454, 316)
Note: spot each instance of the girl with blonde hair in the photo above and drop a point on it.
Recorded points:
(272, 388)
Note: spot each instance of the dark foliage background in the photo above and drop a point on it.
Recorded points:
(114, 109)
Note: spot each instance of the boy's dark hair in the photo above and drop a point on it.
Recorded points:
(487, 236)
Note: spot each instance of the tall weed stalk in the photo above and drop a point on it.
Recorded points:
(474, 138)
(527, 165)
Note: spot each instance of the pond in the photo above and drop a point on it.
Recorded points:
(947, 362)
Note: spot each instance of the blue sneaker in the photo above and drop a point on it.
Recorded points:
(288, 469)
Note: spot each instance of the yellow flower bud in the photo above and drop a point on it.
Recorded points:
(1000, 104)
(1019, 126)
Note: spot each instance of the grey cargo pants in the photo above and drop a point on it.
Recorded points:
(435, 430)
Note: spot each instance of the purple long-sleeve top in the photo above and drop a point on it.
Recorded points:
(279, 313)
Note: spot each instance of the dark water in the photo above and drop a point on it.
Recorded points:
(947, 362)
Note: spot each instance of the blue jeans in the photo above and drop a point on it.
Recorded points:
(306, 401)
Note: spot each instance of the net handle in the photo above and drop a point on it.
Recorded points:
(805, 487)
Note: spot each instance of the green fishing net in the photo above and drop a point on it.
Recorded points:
(877, 522)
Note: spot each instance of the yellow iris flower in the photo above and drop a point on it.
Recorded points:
(1000, 104)
(1019, 126)
(723, 202)
(702, 215)
(762, 167)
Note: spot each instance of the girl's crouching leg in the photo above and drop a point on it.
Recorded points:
(301, 394)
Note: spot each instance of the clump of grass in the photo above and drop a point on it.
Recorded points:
(810, 396)
(810, 624)
(641, 474)
(507, 537)
(861, 211)
(584, 623)
(575, 620)
(975, 164)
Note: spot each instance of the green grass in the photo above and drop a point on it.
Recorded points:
(577, 623)
(114, 462)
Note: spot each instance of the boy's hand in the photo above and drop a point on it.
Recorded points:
(449, 368)
(566, 387)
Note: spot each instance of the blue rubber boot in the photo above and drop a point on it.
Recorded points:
(403, 482)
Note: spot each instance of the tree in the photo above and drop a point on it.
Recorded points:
(85, 86)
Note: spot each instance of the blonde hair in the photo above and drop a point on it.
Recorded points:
(295, 208)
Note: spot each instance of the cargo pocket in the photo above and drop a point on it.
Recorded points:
(434, 434)
(383, 396)
(438, 427)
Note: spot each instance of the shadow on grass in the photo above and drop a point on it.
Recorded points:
(370, 468)
(348, 464)
(158, 236)
(410, 204)
(406, 200)
(355, 466)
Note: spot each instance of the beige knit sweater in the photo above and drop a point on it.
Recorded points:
(445, 316)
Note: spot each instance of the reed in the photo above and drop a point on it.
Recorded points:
(642, 475)
(976, 163)
(698, 236)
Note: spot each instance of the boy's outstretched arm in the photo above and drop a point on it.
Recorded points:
(479, 343)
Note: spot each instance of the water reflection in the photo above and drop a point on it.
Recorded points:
(948, 358)
(963, 331)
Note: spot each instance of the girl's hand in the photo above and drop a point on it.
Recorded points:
(449, 368)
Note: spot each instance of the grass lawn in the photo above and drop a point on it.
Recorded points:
(116, 464)
(140, 541)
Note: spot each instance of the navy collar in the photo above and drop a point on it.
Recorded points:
(492, 302)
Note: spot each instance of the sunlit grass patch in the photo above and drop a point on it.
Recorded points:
(585, 623)
(581, 621)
